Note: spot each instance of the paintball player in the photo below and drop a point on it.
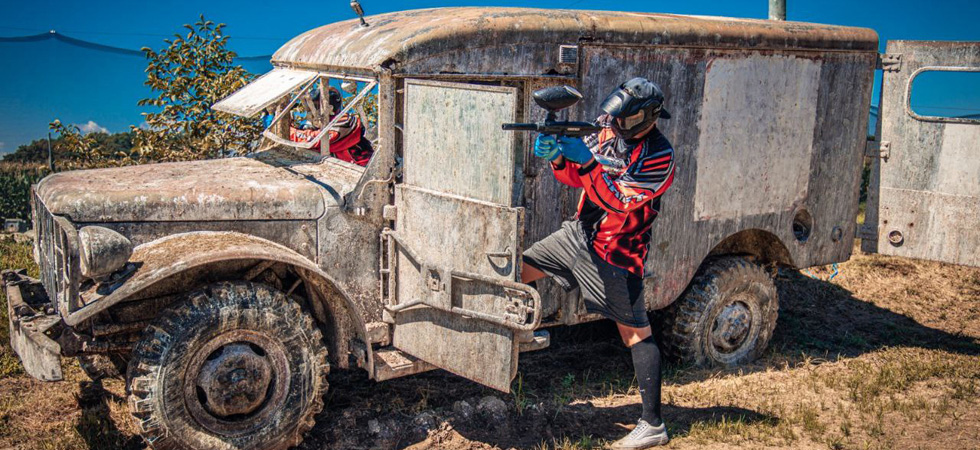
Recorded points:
(346, 137)
(623, 173)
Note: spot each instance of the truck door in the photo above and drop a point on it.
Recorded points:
(927, 174)
(450, 264)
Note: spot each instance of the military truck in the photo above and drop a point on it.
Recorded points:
(225, 290)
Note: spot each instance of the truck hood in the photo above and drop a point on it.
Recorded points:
(223, 189)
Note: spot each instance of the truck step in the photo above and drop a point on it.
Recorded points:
(393, 363)
(541, 340)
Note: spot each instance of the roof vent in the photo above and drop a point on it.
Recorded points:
(568, 54)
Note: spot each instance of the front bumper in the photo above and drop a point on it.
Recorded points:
(31, 318)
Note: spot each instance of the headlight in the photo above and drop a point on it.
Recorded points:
(102, 251)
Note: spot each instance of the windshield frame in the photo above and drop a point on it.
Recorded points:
(323, 78)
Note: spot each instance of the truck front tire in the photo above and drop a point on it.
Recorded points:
(234, 366)
(725, 317)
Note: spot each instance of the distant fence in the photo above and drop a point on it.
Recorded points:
(15, 188)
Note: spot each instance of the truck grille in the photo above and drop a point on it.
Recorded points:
(57, 254)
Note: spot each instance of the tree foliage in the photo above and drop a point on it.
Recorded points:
(15, 187)
(36, 152)
(71, 150)
(76, 150)
(188, 76)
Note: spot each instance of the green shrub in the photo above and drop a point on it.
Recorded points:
(15, 188)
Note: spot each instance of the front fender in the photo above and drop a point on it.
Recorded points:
(166, 257)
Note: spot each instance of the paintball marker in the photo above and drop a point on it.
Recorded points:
(554, 99)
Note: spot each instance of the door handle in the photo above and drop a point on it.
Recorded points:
(507, 253)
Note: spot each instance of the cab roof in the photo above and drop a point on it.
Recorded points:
(499, 40)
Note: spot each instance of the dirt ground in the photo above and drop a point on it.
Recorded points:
(885, 355)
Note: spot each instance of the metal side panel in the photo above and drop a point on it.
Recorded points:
(929, 177)
(264, 91)
(473, 349)
(453, 139)
(445, 235)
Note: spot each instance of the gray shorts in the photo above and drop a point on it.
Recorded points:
(611, 291)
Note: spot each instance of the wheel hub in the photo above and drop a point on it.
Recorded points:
(731, 327)
(235, 380)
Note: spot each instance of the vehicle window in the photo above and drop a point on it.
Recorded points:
(946, 94)
(333, 116)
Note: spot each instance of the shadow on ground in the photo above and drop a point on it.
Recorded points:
(586, 421)
(95, 425)
(536, 425)
(818, 319)
(558, 393)
(551, 399)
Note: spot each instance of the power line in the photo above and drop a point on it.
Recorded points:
(128, 33)
(95, 45)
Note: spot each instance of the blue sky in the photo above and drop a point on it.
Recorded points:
(43, 81)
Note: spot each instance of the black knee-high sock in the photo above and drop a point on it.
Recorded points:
(646, 364)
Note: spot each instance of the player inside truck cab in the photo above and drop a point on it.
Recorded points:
(347, 140)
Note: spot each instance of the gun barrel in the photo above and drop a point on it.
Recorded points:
(520, 126)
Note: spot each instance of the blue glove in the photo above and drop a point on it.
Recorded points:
(574, 149)
(545, 146)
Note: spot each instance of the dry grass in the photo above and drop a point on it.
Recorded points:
(887, 355)
(72, 414)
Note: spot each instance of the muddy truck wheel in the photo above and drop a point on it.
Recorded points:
(725, 317)
(234, 366)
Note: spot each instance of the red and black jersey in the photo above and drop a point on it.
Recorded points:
(621, 195)
(347, 141)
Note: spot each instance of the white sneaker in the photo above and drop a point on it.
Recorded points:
(642, 437)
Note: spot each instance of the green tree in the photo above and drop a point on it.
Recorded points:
(190, 74)
(74, 150)
(35, 152)
(64, 146)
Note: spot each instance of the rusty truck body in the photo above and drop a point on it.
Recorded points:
(224, 290)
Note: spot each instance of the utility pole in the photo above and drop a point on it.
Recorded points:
(50, 154)
(777, 9)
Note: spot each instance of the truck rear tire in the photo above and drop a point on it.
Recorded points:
(234, 366)
(725, 317)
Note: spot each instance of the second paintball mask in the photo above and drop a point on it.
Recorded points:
(634, 105)
(336, 101)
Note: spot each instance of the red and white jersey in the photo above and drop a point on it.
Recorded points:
(621, 196)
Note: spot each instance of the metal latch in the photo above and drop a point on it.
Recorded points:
(519, 307)
(434, 280)
(875, 149)
(890, 62)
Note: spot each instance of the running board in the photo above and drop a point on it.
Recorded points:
(540, 341)
(393, 363)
